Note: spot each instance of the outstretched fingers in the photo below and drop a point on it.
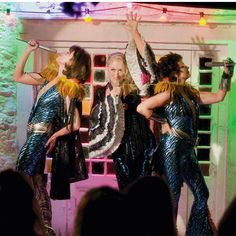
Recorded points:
(133, 17)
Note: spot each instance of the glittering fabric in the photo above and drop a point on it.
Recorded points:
(39, 182)
(143, 69)
(132, 157)
(106, 127)
(31, 159)
(177, 161)
(68, 163)
(175, 157)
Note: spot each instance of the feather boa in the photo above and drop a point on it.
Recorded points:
(71, 88)
(66, 87)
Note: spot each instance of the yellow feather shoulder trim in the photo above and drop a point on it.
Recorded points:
(164, 86)
(70, 88)
(51, 71)
(177, 88)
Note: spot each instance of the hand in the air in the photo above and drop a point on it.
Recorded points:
(132, 22)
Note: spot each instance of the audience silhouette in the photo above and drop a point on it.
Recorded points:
(144, 207)
(17, 215)
(151, 207)
(101, 211)
(227, 223)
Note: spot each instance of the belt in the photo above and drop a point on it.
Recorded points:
(39, 127)
(182, 135)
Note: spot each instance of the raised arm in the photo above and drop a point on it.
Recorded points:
(146, 107)
(210, 98)
(132, 27)
(140, 57)
(27, 78)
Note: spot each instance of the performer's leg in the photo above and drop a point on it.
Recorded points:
(129, 170)
(200, 222)
(174, 181)
(145, 166)
(43, 200)
(168, 165)
(41, 195)
(122, 171)
(39, 224)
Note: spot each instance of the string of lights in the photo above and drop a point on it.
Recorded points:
(83, 10)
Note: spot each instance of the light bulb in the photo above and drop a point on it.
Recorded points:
(129, 5)
(202, 21)
(87, 18)
(163, 16)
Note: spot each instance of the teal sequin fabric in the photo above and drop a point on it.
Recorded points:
(177, 161)
(31, 159)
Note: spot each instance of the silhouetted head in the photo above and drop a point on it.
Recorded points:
(227, 223)
(16, 204)
(151, 203)
(101, 212)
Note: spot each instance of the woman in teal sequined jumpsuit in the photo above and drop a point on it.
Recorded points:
(43, 112)
(53, 126)
(177, 104)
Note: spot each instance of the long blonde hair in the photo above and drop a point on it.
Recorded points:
(128, 86)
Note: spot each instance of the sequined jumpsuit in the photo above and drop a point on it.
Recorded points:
(44, 120)
(31, 159)
(175, 157)
(178, 163)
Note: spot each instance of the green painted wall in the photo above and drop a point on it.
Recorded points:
(8, 53)
(231, 157)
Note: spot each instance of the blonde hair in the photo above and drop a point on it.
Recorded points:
(128, 86)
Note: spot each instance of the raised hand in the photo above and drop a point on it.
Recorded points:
(229, 67)
(132, 22)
